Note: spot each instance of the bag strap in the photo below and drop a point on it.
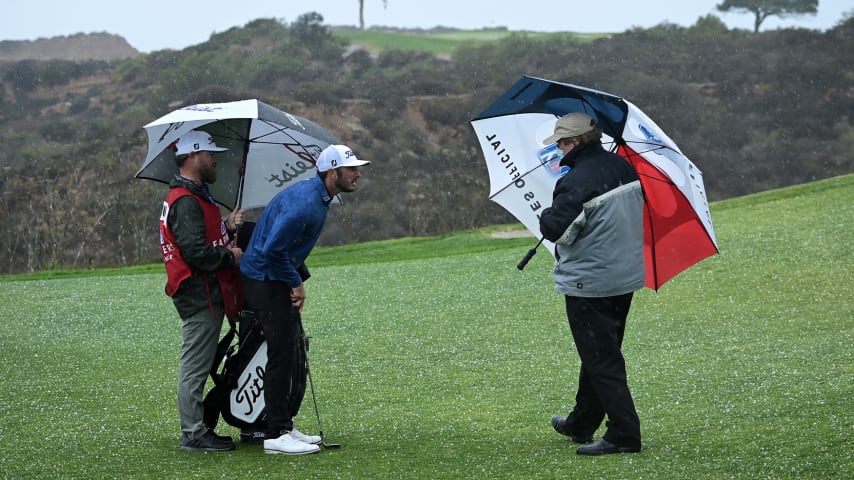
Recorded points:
(223, 348)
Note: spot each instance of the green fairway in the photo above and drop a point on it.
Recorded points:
(438, 359)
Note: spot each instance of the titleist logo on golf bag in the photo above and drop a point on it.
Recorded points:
(239, 391)
(247, 400)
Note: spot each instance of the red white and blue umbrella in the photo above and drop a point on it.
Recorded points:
(678, 230)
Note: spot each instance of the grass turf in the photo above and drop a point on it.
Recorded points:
(437, 358)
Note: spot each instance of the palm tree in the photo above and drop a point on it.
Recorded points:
(362, 12)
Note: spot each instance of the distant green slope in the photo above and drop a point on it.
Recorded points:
(443, 43)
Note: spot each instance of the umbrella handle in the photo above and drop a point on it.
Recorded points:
(528, 256)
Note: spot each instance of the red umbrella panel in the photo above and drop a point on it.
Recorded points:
(670, 224)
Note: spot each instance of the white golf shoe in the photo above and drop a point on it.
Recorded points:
(311, 439)
(288, 445)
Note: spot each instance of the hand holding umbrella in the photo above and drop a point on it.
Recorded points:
(234, 219)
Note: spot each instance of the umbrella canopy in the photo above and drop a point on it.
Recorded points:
(678, 229)
(268, 149)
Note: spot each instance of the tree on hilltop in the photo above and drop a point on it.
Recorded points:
(762, 9)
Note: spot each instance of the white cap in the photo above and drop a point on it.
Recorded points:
(337, 156)
(197, 141)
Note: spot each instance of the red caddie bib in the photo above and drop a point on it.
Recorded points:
(177, 269)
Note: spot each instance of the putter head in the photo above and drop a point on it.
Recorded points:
(328, 445)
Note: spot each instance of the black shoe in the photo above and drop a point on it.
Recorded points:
(224, 438)
(604, 447)
(209, 442)
(559, 424)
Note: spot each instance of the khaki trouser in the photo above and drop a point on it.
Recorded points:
(200, 335)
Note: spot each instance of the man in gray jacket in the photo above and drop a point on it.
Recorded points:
(596, 223)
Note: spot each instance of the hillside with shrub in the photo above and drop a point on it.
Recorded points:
(754, 111)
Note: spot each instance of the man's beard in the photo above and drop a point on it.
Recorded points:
(343, 186)
(208, 174)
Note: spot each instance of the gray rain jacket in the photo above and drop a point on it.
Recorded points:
(596, 223)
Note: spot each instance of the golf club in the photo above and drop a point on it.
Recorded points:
(304, 344)
(316, 413)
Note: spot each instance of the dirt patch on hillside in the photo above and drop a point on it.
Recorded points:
(519, 233)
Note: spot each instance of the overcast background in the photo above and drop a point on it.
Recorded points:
(158, 24)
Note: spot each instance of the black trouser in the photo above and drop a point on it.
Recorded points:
(598, 325)
(285, 373)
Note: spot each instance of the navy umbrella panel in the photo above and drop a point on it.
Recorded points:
(535, 95)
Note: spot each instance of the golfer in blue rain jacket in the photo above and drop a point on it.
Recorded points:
(283, 238)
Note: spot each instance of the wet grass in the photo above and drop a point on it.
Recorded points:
(451, 366)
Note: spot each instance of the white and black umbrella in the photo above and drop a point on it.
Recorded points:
(268, 149)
